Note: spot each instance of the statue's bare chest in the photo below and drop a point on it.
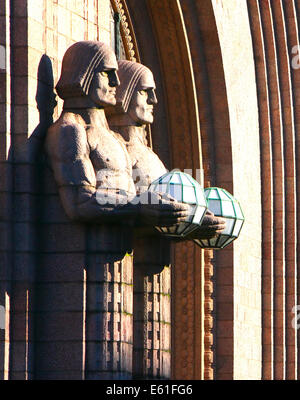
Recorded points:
(146, 164)
(106, 151)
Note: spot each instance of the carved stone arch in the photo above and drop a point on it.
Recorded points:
(178, 41)
(126, 30)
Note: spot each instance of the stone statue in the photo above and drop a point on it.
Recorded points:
(93, 168)
(93, 173)
(89, 161)
(135, 101)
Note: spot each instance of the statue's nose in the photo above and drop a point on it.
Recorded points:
(152, 99)
(114, 79)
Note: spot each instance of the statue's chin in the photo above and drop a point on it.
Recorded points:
(107, 103)
(143, 121)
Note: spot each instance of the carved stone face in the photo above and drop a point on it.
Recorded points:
(143, 98)
(89, 69)
(103, 86)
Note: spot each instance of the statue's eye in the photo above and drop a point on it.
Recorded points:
(143, 92)
(104, 73)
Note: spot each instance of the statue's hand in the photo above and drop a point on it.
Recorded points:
(160, 209)
(211, 226)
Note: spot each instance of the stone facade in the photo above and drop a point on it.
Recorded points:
(227, 84)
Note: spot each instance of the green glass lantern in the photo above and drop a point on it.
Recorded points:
(185, 189)
(223, 204)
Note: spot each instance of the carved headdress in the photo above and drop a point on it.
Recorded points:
(129, 73)
(78, 66)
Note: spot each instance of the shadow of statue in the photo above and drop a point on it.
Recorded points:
(24, 160)
(46, 103)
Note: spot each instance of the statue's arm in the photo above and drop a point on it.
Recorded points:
(74, 173)
(210, 227)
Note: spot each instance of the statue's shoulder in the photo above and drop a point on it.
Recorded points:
(65, 135)
(66, 124)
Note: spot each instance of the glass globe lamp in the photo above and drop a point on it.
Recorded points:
(185, 189)
(223, 204)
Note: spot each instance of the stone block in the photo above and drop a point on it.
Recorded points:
(3, 30)
(21, 34)
(109, 239)
(21, 119)
(165, 368)
(63, 21)
(53, 211)
(92, 31)
(25, 209)
(51, 38)
(22, 357)
(36, 10)
(59, 326)
(66, 267)
(5, 149)
(36, 66)
(97, 354)
(33, 95)
(96, 326)
(62, 238)
(78, 28)
(127, 299)
(24, 237)
(225, 311)
(60, 357)
(62, 45)
(3, 123)
(104, 36)
(164, 337)
(113, 354)
(225, 276)
(92, 11)
(109, 268)
(104, 15)
(22, 323)
(126, 328)
(165, 309)
(5, 206)
(5, 236)
(20, 8)
(59, 297)
(126, 360)
(76, 6)
(50, 10)
(225, 347)
(24, 267)
(48, 183)
(104, 297)
(36, 35)
(5, 267)
(21, 375)
(21, 91)
(23, 296)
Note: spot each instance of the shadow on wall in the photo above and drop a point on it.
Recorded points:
(46, 103)
(24, 158)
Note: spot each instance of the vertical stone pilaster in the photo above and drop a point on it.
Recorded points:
(152, 309)
(109, 313)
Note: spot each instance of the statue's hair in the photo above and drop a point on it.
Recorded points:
(129, 73)
(78, 66)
